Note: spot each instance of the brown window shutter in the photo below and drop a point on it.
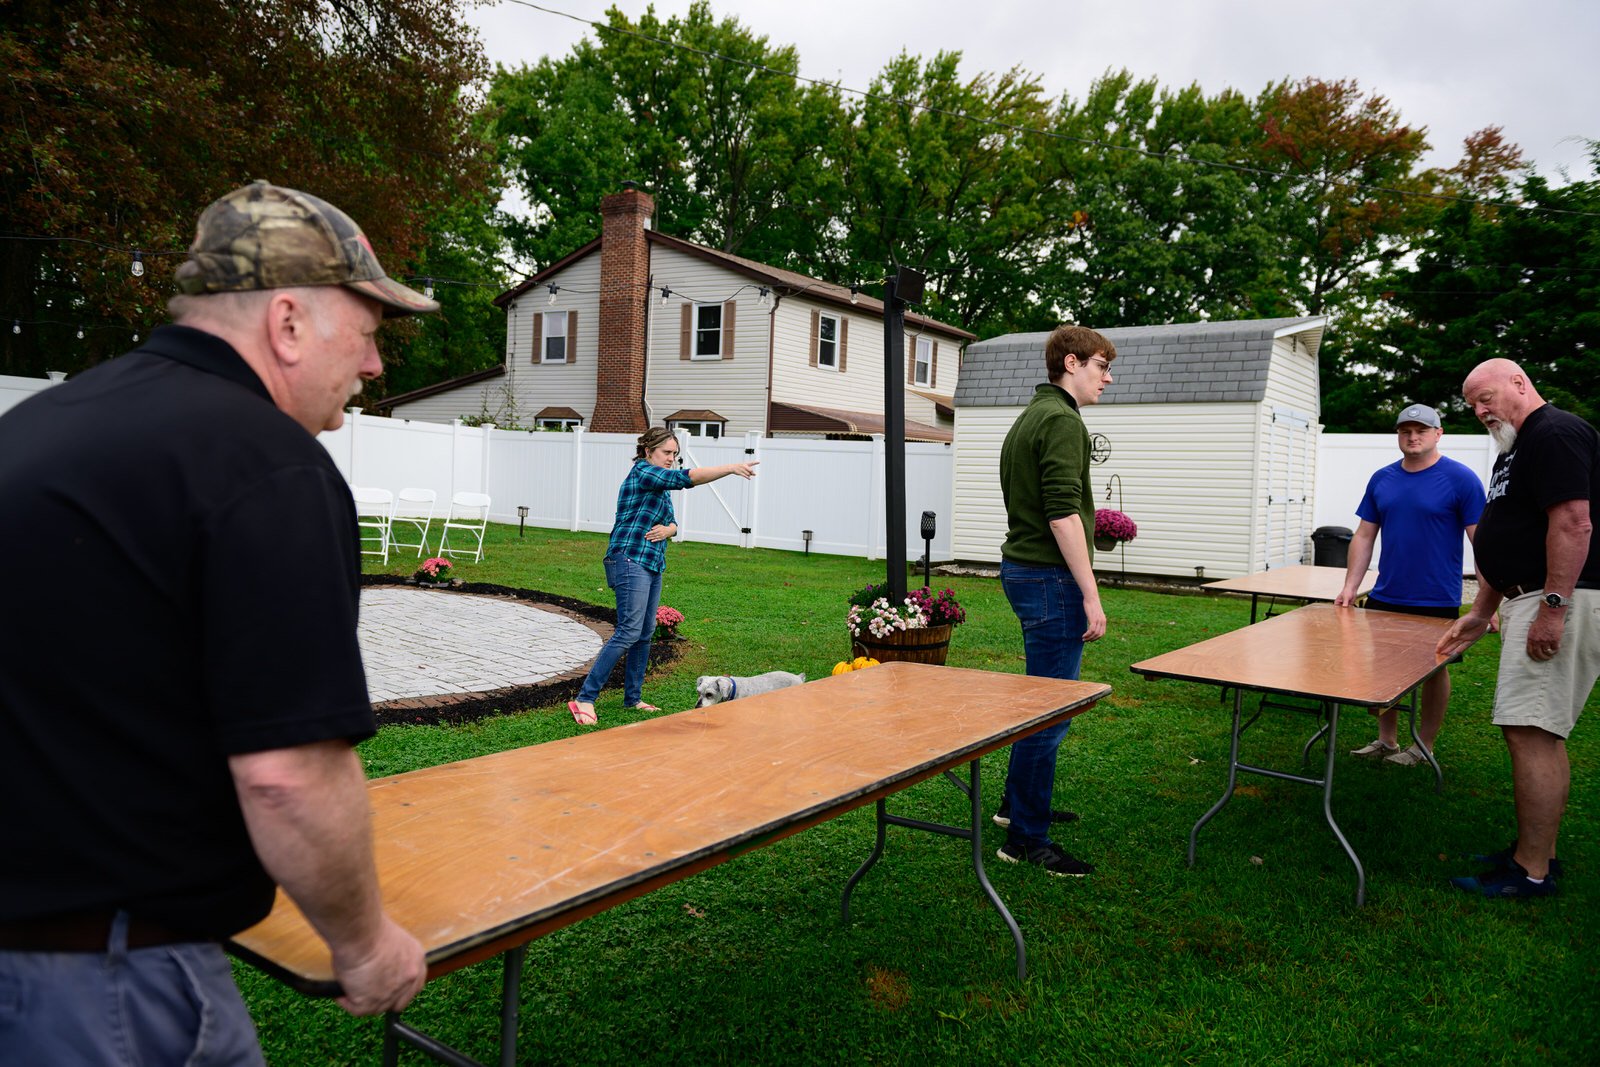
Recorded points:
(844, 341)
(933, 366)
(814, 329)
(911, 362)
(572, 337)
(538, 337)
(728, 310)
(687, 339)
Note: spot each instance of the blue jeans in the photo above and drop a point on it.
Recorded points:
(1049, 605)
(172, 1004)
(638, 593)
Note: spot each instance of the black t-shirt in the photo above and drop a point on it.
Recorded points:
(1556, 458)
(181, 584)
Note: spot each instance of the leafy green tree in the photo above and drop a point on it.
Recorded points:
(942, 174)
(699, 112)
(1164, 216)
(1517, 278)
(123, 120)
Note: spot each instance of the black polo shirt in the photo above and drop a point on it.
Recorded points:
(181, 583)
(1556, 458)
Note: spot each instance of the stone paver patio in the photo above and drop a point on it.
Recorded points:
(421, 643)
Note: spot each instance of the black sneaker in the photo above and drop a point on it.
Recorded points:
(1002, 818)
(1499, 860)
(1508, 881)
(1051, 857)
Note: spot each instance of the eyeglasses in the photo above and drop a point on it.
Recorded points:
(1105, 367)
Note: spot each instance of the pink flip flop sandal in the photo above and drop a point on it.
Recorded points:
(581, 717)
(642, 706)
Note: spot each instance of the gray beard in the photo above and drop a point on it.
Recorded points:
(1505, 437)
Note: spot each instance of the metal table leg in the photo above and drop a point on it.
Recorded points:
(1327, 805)
(972, 832)
(1416, 739)
(1233, 774)
(395, 1031)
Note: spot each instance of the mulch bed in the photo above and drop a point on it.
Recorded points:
(454, 708)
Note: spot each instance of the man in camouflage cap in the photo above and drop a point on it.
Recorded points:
(180, 767)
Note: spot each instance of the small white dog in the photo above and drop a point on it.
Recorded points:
(715, 689)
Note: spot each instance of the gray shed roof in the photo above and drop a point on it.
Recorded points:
(1187, 362)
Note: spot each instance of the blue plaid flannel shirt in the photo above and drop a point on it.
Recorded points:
(642, 502)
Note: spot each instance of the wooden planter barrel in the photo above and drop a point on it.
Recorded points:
(928, 645)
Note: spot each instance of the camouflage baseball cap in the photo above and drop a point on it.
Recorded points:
(264, 236)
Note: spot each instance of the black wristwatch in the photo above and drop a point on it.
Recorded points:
(1556, 600)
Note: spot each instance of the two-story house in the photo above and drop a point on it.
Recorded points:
(639, 328)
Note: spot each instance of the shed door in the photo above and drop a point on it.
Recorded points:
(1290, 461)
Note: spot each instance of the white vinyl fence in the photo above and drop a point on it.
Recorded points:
(14, 390)
(569, 481)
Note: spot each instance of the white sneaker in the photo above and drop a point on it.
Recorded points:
(1375, 750)
(1409, 758)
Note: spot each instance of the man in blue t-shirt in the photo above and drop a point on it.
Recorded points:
(1423, 503)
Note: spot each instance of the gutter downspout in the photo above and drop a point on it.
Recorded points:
(772, 322)
(644, 383)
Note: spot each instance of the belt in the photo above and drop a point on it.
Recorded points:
(1519, 590)
(84, 931)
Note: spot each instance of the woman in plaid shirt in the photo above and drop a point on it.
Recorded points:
(634, 561)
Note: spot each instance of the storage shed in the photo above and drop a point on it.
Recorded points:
(1206, 438)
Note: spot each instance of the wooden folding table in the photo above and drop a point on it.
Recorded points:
(1332, 655)
(1298, 582)
(478, 858)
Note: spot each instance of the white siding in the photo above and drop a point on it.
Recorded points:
(537, 386)
(14, 390)
(1192, 504)
(1286, 457)
(734, 388)
(859, 387)
(463, 402)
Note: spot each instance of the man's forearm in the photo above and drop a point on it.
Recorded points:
(1074, 549)
(1566, 545)
(307, 812)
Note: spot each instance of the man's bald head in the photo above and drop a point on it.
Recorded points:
(1501, 396)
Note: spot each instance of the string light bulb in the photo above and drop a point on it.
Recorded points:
(665, 292)
(427, 288)
(138, 264)
(135, 338)
(16, 325)
(554, 289)
(762, 295)
(855, 294)
(80, 333)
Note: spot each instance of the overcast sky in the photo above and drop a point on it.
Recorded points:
(1453, 67)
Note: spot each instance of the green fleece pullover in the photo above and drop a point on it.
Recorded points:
(1044, 475)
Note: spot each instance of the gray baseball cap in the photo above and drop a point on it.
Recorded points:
(1419, 413)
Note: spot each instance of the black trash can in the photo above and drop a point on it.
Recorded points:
(1330, 546)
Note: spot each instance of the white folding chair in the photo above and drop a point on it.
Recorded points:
(413, 507)
(468, 514)
(374, 511)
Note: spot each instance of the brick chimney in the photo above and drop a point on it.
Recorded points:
(624, 278)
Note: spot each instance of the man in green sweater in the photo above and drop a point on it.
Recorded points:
(1047, 571)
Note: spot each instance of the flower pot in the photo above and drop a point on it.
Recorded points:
(928, 645)
(1104, 544)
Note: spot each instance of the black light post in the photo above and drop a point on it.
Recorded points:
(929, 527)
(904, 288)
(522, 518)
(805, 535)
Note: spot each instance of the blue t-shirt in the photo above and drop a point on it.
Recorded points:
(1421, 516)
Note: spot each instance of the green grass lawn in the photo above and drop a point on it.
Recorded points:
(1256, 955)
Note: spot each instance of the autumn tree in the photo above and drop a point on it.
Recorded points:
(123, 120)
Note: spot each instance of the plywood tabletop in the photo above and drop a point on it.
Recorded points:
(480, 855)
(1347, 655)
(1299, 582)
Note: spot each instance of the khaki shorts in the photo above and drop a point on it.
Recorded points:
(1548, 694)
